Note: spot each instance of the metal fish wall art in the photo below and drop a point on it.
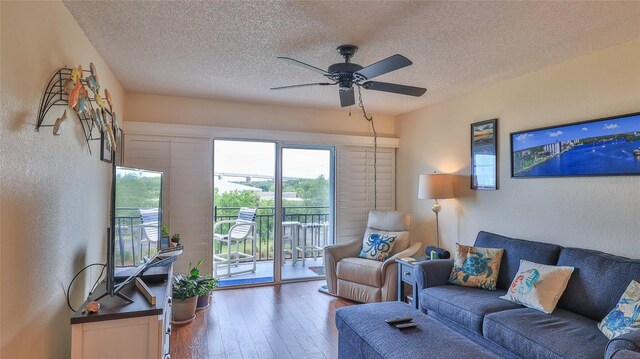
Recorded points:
(58, 127)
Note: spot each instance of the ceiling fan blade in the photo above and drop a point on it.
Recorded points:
(395, 88)
(382, 67)
(306, 66)
(347, 98)
(303, 85)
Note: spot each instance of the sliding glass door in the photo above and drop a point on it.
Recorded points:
(307, 210)
(243, 209)
(273, 211)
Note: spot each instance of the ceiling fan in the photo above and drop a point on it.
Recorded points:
(346, 74)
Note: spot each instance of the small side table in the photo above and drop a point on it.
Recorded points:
(405, 275)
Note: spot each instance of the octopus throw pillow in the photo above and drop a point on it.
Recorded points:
(625, 317)
(476, 267)
(377, 246)
(538, 286)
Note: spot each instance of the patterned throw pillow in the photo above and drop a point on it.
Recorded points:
(625, 317)
(377, 246)
(476, 267)
(538, 286)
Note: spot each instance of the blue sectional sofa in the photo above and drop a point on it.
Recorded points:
(506, 329)
(513, 331)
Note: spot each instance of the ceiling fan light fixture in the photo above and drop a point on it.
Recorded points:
(346, 74)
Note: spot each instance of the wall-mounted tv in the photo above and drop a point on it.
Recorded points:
(603, 147)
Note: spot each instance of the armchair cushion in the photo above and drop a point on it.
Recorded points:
(360, 270)
(391, 223)
(377, 246)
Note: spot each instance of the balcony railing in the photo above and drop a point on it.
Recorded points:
(130, 248)
(265, 218)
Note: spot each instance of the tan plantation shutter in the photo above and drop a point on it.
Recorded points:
(355, 184)
(187, 188)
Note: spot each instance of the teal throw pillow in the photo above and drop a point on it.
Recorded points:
(625, 317)
(377, 246)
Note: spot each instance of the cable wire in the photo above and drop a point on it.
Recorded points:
(76, 276)
(369, 118)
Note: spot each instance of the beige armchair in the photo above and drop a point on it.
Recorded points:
(366, 280)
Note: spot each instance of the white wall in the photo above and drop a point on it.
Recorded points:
(189, 111)
(54, 195)
(591, 212)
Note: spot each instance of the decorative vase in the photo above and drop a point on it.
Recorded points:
(203, 301)
(184, 311)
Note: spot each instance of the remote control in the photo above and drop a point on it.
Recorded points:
(397, 320)
(407, 325)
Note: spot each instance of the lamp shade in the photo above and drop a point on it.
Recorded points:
(435, 186)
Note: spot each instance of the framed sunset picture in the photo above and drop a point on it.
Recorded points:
(484, 159)
(603, 147)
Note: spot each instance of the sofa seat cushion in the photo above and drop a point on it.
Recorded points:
(533, 334)
(360, 270)
(463, 305)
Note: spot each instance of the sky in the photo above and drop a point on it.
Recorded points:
(524, 140)
(259, 158)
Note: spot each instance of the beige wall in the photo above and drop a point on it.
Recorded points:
(181, 110)
(54, 194)
(592, 212)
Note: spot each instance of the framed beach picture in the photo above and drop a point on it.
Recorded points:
(484, 159)
(603, 147)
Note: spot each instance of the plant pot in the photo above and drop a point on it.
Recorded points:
(184, 311)
(203, 301)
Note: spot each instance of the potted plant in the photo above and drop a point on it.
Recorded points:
(204, 285)
(175, 240)
(164, 236)
(185, 298)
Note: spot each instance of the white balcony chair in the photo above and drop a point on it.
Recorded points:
(148, 229)
(242, 229)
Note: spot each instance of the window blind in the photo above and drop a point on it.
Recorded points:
(355, 187)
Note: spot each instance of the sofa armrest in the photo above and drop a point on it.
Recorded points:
(432, 273)
(629, 341)
(413, 249)
(625, 354)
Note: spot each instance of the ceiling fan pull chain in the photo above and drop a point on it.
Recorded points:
(369, 118)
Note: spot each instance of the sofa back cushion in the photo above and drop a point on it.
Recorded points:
(598, 281)
(514, 251)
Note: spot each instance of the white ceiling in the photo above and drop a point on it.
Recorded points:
(227, 50)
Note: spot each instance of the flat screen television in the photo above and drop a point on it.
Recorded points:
(134, 235)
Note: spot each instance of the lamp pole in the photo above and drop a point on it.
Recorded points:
(436, 209)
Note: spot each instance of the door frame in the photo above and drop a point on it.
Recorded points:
(277, 230)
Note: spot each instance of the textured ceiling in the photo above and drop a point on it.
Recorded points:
(227, 50)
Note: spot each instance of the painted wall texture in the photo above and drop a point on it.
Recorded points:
(592, 212)
(54, 195)
(189, 111)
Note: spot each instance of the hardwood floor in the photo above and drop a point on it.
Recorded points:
(291, 320)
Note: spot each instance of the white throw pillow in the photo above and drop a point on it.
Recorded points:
(538, 286)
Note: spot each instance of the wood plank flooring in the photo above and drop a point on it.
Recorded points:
(291, 320)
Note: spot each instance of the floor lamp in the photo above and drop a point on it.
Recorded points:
(435, 186)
